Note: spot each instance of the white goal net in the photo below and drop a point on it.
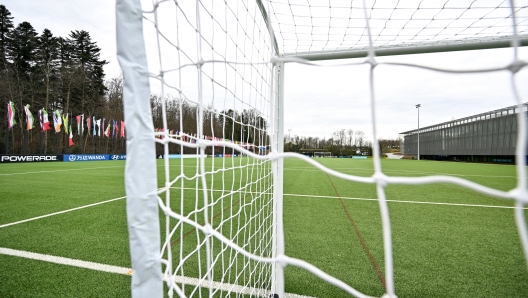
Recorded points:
(204, 84)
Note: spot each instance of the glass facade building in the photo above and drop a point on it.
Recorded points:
(486, 137)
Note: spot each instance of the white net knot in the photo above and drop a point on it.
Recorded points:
(516, 65)
(520, 195)
(371, 60)
(199, 63)
(282, 260)
(202, 144)
(380, 179)
(273, 155)
(389, 296)
(207, 229)
(274, 60)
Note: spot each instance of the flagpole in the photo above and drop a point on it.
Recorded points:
(81, 134)
(25, 141)
(7, 140)
(41, 128)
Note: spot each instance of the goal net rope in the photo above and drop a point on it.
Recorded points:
(204, 83)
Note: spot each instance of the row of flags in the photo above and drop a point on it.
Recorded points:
(113, 129)
(96, 126)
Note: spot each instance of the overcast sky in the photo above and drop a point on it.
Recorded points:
(321, 100)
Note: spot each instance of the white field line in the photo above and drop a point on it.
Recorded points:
(369, 199)
(66, 170)
(59, 212)
(128, 271)
(79, 169)
(402, 201)
(65, 261)
(386, 171)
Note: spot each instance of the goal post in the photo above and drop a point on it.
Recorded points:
(140, 175)
(204, 110)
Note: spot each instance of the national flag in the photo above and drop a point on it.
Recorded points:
(30, 121)
(82, 126)
(107, 131)
(115, 128)
(78, 118)
(88, 124)
(102, 127)
(65, 120)
(10, 114)
(44, 122)
(71, 137)
(122, 129)
(94, 125)
(57, 120)
(97, 131)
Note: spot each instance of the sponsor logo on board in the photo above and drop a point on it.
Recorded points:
(28, 158)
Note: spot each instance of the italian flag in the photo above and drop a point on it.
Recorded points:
(44, 122)
(71, 137)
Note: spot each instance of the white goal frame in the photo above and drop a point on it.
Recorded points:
(141, 171)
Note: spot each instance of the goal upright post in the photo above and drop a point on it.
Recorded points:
(140, 174)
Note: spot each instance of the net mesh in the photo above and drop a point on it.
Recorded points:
(217, 72)
(213, 94)
(333, 26)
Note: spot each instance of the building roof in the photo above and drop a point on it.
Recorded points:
(482, 116)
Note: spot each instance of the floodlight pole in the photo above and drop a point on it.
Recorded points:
(418, 107)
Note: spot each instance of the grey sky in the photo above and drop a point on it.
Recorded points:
(321, 100)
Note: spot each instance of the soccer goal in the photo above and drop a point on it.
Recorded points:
(203, 93)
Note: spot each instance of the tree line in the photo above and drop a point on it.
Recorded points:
(246, 126)
(344, 142)
(53, 73)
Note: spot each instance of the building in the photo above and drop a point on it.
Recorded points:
(486, 137)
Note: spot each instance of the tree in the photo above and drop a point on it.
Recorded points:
(47, 59)
(6, 25)
(22, 47)
(85, 56)
(359, 139)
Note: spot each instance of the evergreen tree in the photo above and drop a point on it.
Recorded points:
(22, 48)
(47, 60)
(6, 25)
(85, 54)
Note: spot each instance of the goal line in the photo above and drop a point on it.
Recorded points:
(128, 271)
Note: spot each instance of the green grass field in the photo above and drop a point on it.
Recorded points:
(448, 241)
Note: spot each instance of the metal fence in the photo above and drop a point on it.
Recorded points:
(492, 134)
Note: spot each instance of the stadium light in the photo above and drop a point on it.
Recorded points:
(418, 107)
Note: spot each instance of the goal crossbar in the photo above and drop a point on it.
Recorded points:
(409, 49)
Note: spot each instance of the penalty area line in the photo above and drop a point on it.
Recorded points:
(59, 212)
(403, 201)
(128, 271)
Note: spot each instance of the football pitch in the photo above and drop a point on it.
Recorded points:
(448, 241)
